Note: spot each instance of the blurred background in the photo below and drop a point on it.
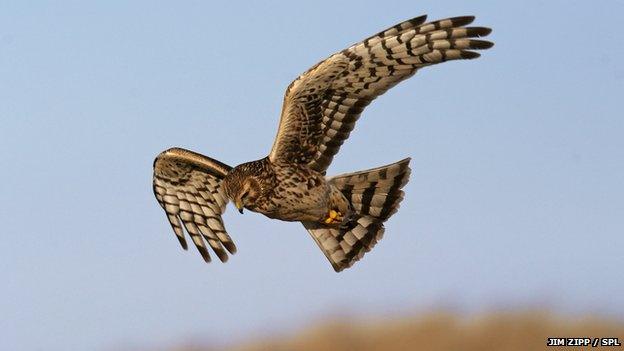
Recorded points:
(515, 204)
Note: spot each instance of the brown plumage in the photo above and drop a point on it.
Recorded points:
(344, 214)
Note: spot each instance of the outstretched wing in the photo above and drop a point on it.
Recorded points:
(188, 187)
(322, 105)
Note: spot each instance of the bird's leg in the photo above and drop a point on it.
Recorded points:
(333, 217)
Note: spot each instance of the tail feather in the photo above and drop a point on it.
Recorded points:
(375, 195)
(376, 192)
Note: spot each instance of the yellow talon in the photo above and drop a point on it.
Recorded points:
(332, 216)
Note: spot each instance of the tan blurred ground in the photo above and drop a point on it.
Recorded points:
(440, 332)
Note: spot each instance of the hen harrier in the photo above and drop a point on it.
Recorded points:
(345, 213)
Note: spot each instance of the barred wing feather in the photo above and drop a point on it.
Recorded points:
(188, 187)
(322, 105)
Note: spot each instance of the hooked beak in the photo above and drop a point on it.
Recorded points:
(239, 206)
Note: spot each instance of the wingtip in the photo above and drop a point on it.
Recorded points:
(463, 20)
(480, 44)
(182, 243)
(222, 255)
(485, 31)
(230, 247)
(419, 20)
(223, 258)
(470, 55)
(204, 254)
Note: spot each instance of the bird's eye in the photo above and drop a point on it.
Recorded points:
(245, 194)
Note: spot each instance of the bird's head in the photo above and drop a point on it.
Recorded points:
(242, 186)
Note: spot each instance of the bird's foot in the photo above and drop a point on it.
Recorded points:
(333, 217)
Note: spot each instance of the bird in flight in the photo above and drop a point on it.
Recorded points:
(344, 214)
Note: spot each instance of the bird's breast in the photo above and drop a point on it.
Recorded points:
(299, 195)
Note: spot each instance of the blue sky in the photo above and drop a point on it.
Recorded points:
(516, 196)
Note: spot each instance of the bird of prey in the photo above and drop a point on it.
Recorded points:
(344, 214)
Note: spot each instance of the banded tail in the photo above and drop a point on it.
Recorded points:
(375, 195)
